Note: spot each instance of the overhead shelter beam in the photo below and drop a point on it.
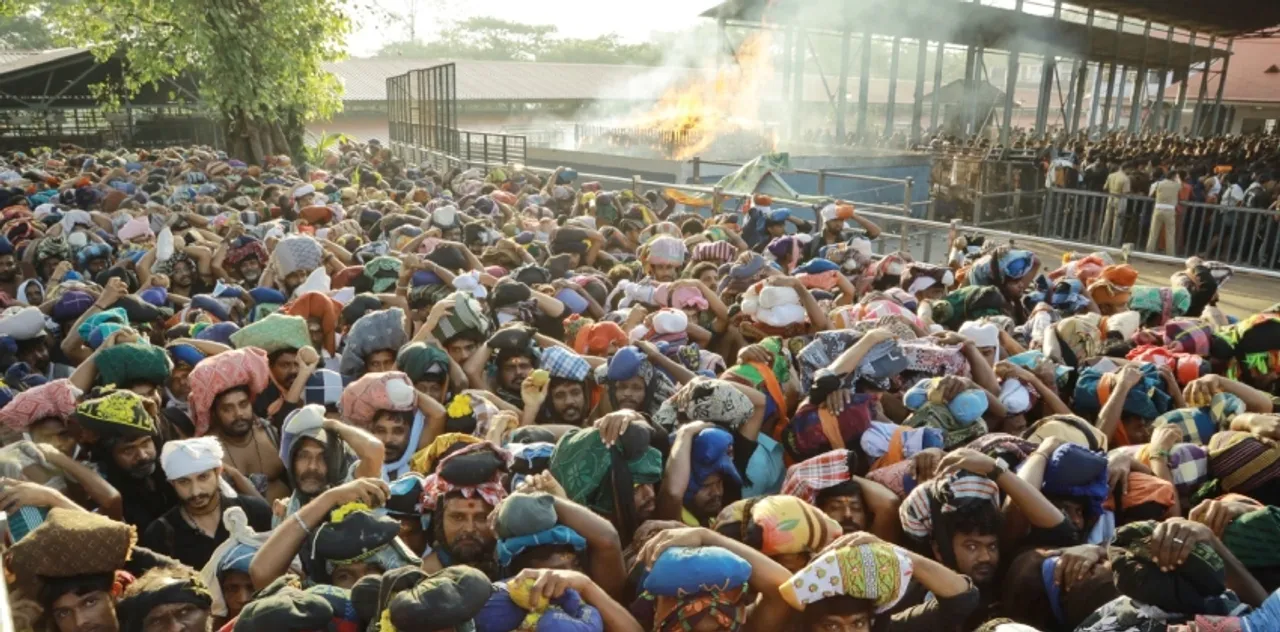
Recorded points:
(939, 20)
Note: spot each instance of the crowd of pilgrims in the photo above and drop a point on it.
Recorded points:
(364, 395)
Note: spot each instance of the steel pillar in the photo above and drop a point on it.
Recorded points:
(1175, 121)
(1197, 115)
(797, 76)
(1158, 121)
(1106, 104)
(788, 47)
(864, 85)
(1140, 81)
(842, 98)
(1047, 71)
(1222, 84)
(893, 87)
(1010, 85)
(1124, 80)
(937, 85)
(1095, 102)
(1073, 123)
(917, 103)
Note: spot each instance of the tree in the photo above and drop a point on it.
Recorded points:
(257, 62)
(25, 32)
(489, 38)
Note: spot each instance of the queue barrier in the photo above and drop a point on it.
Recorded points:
(1244, 237)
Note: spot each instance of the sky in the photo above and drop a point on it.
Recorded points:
(633, 20)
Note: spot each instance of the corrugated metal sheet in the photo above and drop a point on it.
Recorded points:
(17, 63)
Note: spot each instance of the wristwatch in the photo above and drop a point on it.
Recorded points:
(997, 471)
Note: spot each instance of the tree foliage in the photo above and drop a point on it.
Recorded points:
(25, 32)
(488, 38)
(258, 63)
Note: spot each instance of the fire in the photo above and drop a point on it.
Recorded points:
(693, 116)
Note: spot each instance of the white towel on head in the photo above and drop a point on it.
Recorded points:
(190, 456)
(22, 323)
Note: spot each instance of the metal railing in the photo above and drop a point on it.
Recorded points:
(1239, 236)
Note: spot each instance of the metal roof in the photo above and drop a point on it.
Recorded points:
(1224, 18)
(969, 24)
(16, 66)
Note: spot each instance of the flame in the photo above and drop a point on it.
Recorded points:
(704, 109)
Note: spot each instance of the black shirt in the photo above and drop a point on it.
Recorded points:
(144, 499)
(172, 535)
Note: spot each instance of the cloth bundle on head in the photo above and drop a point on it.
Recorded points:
(298, 253)
(70, 543)
(243, 248)
(409, 600)
(213, 376)
(475, 470)
(1252, 538)
(594, 474)
(1242, 462)
(877, 572)
(883, 362)
(467, 316)
(1077, 337)
(776, 306)
(515, 605)
(1069, 428)
(919, 277)
(1194, 587)
(290, 608)
(967, 406)
(686, 585)
(711, 454)
(1147, 398)
(955, 433)
(116, 415)
(1199, 425)
(423, 362)
(778, 525)
(24, 323)
(53, 400)
(666, 250)
(317, 306)
(564, 364)
(807, 479)
(596, 338)
(372, 393)
(1074, 471)
(715, 401)
(234, 554)
(630, 362)
(525, 521)
(814, 429)
(1002, 265)
(355, 533)
(1158, 304)
(375, 331)
(136, 228)
(967, 303)
(944, 494)
(133, 363)
(276, 332)
(182, 458)
(1112, 287)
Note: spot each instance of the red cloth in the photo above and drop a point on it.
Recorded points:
(54, 399)
(223, 372)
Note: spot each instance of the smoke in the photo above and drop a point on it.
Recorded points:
(712, 84)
